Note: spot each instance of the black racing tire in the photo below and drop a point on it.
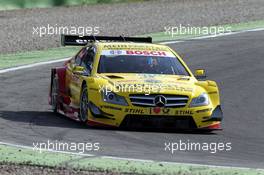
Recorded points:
(84, 105)
(54, 94)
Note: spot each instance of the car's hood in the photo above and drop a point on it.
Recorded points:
(152, 83)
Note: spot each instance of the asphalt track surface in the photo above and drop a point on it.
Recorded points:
(235, 62)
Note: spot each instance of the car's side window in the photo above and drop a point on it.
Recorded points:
(80, 56)
(88, 58)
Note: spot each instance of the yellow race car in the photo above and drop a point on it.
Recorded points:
(131, 82)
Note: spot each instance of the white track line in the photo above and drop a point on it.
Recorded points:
(128, 159)
(31, 65)
(166, 42)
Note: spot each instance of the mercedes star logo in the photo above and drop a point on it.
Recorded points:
(160, 101)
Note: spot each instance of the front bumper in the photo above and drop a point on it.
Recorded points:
(159, 122)
(147, 117)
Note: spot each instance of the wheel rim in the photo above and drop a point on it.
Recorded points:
(84, 106)
(54, 94)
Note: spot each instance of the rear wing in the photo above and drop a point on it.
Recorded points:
(75, 40)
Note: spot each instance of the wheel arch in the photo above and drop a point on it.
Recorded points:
(61, 73)
(212, 89)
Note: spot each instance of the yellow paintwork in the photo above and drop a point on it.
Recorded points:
(182, 85)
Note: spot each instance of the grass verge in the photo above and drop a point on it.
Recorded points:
(20, 4)
(23, 58)
(27, 156)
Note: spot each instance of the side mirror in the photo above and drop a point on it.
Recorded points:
(79, 70)
(200, 74)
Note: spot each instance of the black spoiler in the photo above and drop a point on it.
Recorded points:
(75, 40)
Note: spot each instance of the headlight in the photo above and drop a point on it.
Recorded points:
(202, 100)
(111, 97)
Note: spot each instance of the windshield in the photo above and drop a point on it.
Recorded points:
(141, 64)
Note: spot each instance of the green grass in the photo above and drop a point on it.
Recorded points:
(20, 4)
(23, 58)
(15, 155)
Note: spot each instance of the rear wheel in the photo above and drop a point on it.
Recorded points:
(54, 94)
(84, 105)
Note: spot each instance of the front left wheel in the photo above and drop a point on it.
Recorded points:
(84, 105)
(54, 94)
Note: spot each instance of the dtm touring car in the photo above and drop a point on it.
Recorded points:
(131, 82)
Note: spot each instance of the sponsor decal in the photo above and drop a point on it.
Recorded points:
(165, 110)
(183, 112)
(146, 76)
(204, 110)
(115, 52)
(176, 87)
(134, 111)
(134, 47)
(152, 81)
(158, 110)
(138, 52)
(146, 53)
